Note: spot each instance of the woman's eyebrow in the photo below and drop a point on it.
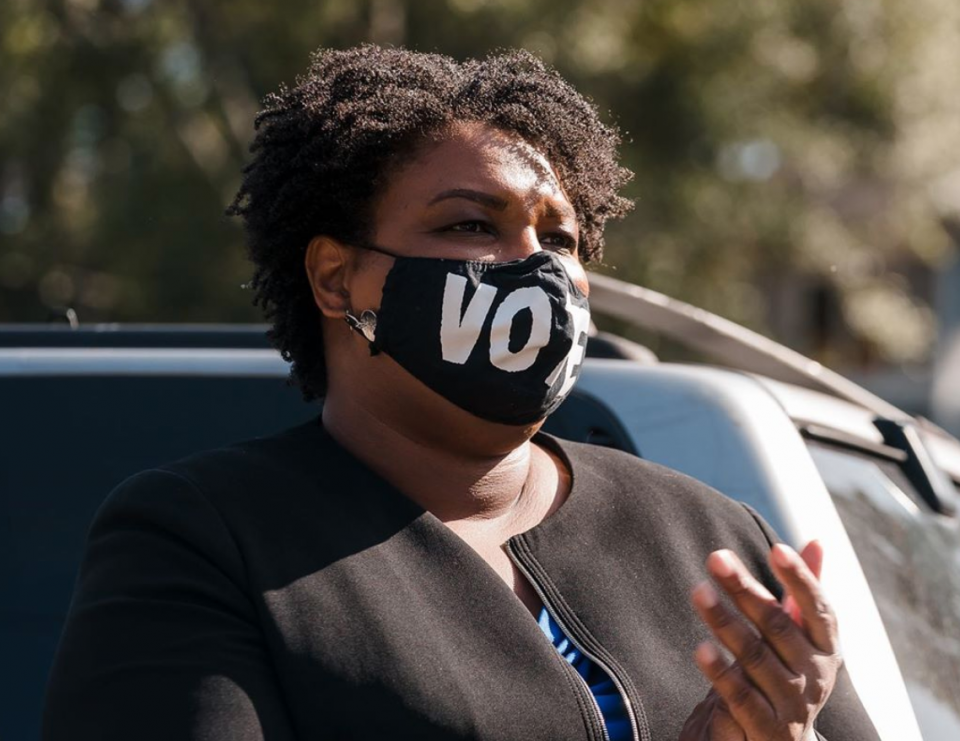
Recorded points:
(560, 211)
(484, 199)
(555, 211)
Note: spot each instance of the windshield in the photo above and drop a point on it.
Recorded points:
(911, 557)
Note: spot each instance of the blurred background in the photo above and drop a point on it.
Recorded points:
(797, 164)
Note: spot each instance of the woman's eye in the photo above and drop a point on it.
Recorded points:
(470, 227)
(558, 241)
(561, 242)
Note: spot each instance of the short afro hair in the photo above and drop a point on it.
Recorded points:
(324, 149)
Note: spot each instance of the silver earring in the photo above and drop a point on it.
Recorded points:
(365, 325)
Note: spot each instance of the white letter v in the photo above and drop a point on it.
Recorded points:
(459, 335)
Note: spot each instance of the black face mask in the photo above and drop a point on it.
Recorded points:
(502, 340)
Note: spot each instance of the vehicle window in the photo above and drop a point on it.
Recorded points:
(66, 442)
(911, 557)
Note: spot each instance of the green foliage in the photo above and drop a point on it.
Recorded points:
(780, 148)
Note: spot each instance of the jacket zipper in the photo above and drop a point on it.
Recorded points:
(580, 681)
(593, 700)
(518, 559)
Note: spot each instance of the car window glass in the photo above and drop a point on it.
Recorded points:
(911, 558)
(73, 439)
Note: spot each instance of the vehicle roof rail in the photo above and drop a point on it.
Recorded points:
(613, 347)
(719, 338)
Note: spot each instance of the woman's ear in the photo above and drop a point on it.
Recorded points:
(327, 263)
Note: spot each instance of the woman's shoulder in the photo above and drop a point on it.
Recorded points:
(236, 478)
(625, 506)
(620, 473)
(288, 451)
(617, 487)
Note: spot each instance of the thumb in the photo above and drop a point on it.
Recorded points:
(723, 727)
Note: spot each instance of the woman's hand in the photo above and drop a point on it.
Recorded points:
(711, 721)
(785, 655)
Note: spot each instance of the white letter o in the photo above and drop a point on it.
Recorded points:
(538, 302)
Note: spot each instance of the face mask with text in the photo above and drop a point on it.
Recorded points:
(502, 340)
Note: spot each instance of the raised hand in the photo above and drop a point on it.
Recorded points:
(785, 656)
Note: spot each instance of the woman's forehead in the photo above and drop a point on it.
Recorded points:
(480, 158)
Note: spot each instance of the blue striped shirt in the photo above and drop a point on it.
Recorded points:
(605, 692)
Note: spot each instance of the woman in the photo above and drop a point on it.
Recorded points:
(419, 561)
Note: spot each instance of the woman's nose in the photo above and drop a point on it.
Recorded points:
(522, 244)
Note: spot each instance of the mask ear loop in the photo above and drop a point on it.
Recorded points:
(365, 325)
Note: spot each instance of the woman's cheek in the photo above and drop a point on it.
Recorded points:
(576, 272)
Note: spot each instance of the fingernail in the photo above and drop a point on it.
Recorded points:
(723, 563)
(783, 555)
(707, 653)
(705, 596)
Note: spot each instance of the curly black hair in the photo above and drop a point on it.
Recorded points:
(324, 149)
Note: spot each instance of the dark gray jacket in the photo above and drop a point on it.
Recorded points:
(277, 589)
